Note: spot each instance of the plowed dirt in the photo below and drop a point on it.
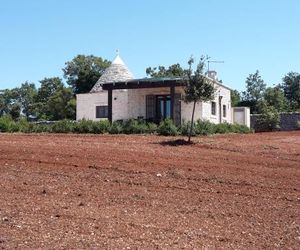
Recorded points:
(145, 192)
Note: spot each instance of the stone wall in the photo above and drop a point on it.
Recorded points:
(288, 121)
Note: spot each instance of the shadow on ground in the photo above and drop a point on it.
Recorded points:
(174, 143)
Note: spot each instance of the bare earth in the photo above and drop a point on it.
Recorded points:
(137, 192)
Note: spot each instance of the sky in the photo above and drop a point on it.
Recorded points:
(37, 37)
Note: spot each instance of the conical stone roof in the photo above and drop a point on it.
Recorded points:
(116, 72)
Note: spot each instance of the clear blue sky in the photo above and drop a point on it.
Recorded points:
(38, 36)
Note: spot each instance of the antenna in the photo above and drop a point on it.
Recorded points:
(208, 62)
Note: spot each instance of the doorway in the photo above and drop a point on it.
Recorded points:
(163, 107)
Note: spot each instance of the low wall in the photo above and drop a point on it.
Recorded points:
(288, 121)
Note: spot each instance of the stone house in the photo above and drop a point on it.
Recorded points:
(117, 95)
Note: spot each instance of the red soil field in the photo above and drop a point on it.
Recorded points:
(143, 192)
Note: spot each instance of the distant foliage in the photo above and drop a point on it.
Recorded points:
(268, 120)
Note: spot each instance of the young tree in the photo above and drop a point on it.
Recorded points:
(198, 88)
(82, 72)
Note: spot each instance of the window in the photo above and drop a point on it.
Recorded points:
(224, 110)
(101, 111)
(213, 108)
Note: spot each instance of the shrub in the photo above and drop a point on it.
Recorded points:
(23, 126)
(39, 128)
(167, 127)
(84, 126)
(101, 127)
(185, 128)
(204, 127)
(152, 128)
(63, 126)
(132, 126)
(116, 128)
(268, 120)
(6, 123)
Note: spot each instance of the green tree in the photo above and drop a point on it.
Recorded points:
(174, 70)
(9, 103)
(26, 97)
(82, 72)
(235, 98)
(255, 88)
(62, 105)
(268, 120)
(49, 86)
(198, 88)
(275, 97)
(291, 89)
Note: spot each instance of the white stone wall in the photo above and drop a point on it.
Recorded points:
(226, 100)
(86, 105)
(241, 115)
(132, 104)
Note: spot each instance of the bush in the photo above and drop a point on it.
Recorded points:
(84, 126)
(268, 120)
(167, 127)
(101, 127)
(23, 126)
(63, 126)
(152, 128)
(6, 123)
(203, 127)
(116, 128)
(132, 126)
(185, 129)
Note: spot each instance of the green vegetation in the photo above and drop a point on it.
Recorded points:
(166, 127)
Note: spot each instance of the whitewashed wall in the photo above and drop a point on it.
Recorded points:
(132, 104)
(226, 100)
(86, 105)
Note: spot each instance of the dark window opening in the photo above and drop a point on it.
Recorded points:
(224, 110)
(101, 111)
(213, 108)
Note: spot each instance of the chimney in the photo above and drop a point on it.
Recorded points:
(212, 74)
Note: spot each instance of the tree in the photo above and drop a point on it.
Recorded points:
(198, 88)
(275, 97)
(26, 97)
(49, 86)
(268, 120)
(174, 70)
(54, 101)
(82, 72)
(255, 88)
(291, 89)
(9, 103)
(235, 98)
(62, 105)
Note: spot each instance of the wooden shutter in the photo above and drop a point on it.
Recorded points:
(150, 107)
(177, 109)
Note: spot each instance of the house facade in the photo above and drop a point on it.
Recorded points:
(117, 95)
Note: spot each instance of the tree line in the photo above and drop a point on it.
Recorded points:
(53, 100)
